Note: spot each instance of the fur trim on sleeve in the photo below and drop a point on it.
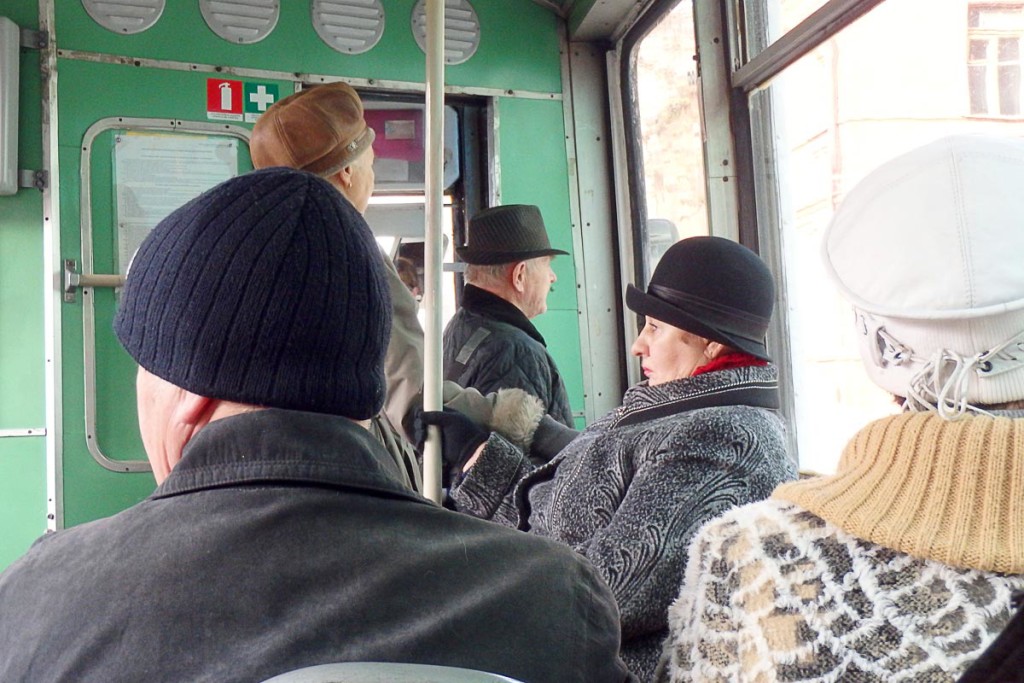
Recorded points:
(516, 416)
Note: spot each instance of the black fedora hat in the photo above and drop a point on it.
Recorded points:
(506, 234)
(714, 288)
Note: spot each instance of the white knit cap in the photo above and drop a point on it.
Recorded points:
(929, 249)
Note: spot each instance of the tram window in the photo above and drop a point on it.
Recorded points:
(668, 105)
(836, 114)
(156, 172)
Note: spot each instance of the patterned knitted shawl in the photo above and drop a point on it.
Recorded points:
(883, 572)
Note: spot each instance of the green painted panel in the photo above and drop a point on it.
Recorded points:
(22, 288)
(21, 276)
(561, 330)
(22, 495)
(182, 35)
(534, 173)
(22, 361)
(90, 491)
(24, 13)
(130, 91)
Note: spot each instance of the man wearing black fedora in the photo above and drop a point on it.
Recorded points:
(490, 343)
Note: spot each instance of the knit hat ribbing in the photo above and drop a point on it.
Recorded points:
(949, 491)
(269, 289)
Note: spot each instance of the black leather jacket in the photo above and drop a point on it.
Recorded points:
(282, 540)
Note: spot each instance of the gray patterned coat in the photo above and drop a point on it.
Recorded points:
(630, 497)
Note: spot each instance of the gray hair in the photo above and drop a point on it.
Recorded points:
(495, 274)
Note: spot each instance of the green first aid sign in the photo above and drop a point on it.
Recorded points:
(257, 98)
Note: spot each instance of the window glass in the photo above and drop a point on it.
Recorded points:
(769, 20)
(673, 150)
(839, 112)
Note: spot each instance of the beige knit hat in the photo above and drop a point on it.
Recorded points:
(929, 249)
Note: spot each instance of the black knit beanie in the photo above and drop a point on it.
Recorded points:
(268, 290)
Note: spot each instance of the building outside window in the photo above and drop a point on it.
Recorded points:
(994, 34)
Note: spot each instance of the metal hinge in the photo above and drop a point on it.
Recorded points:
(37, 179)
(34, 40)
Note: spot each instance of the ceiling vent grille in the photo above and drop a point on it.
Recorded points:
(348, 26)
(241, 21)
(124, 16)
(461, 29)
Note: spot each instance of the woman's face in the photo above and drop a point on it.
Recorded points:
(668, 352)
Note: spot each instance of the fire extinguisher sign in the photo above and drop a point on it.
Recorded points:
(228, 100)
(223, 99)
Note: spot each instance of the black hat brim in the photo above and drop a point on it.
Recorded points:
(645, 304)
(493, 258)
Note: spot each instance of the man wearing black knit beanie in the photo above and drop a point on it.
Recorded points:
(281, 535)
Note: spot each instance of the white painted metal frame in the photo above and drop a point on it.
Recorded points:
(434, 248)
(494, 151)
(52, 273)
(590, 194)
(825, 22)
(88, 301)
(719, 151)
(623, 201)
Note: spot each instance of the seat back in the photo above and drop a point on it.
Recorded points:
(386, 672)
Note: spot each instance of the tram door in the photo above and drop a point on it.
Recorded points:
(154, 140)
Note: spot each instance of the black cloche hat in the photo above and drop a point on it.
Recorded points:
(506, 234)
(714, 288)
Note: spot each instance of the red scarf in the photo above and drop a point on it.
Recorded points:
(736, 359)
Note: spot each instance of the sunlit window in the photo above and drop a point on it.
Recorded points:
(668, 94)
(994, 58)
(838, 113)
(398, 221)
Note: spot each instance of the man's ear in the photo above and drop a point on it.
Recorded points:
(518, 275)
(193, 409)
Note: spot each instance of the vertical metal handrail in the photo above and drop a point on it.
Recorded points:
(433, 250)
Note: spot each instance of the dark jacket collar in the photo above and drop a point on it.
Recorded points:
(284, 446)
(482, 302)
